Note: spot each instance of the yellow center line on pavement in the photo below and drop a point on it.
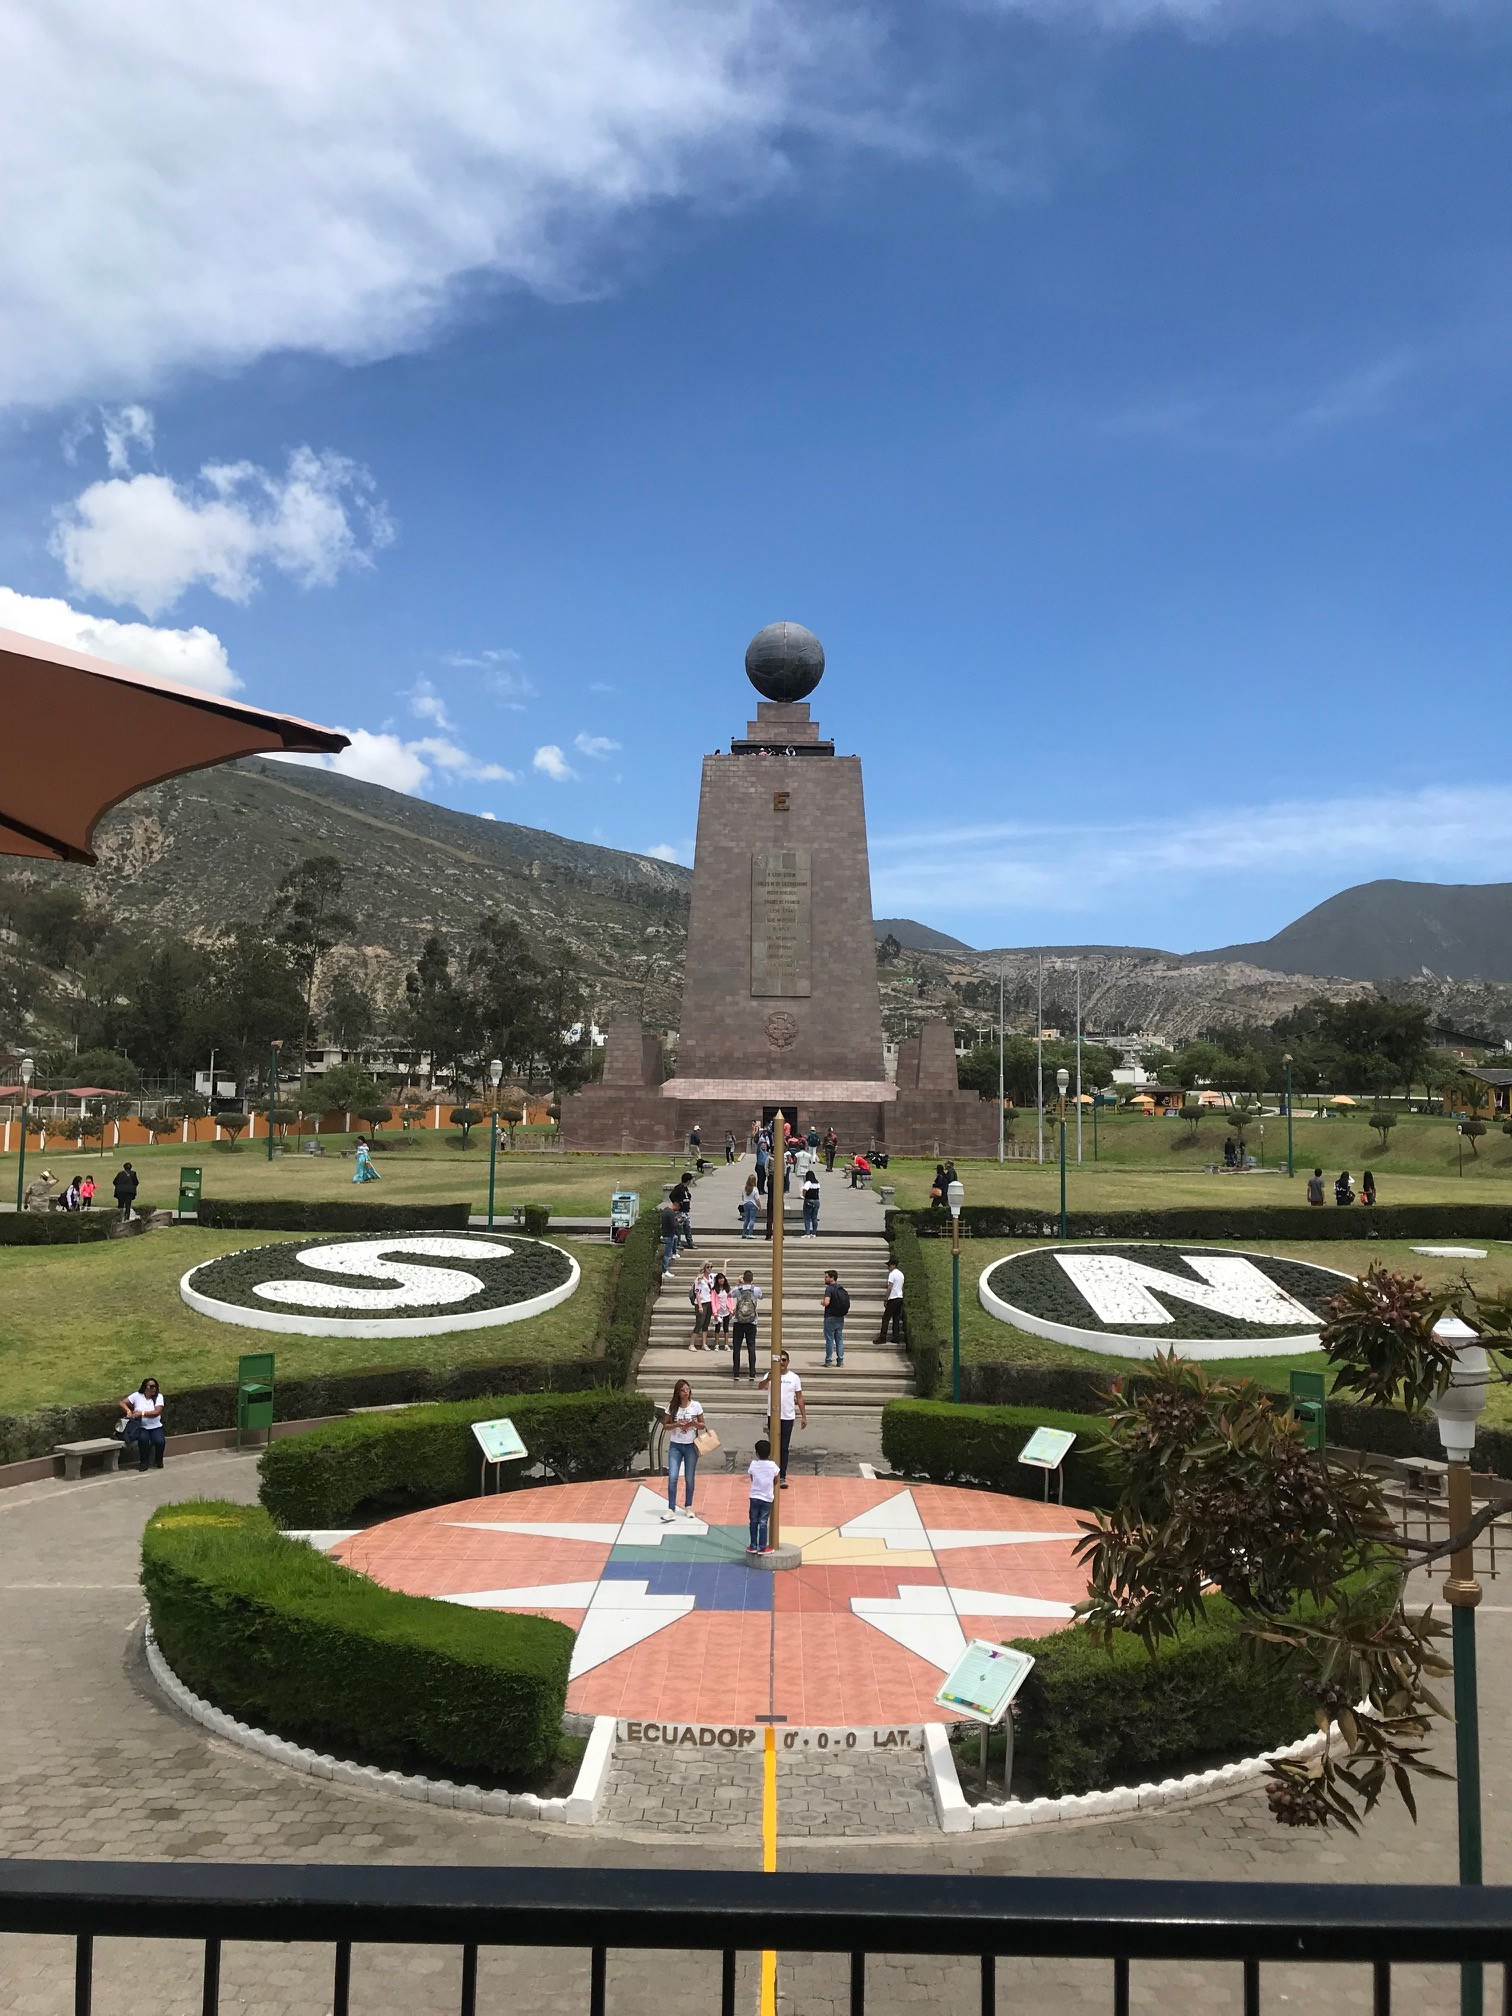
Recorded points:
(769, 1859)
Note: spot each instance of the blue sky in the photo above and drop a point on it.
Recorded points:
(1119, 388)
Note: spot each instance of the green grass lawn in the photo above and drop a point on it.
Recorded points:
(1156, 1163)
(430, 1171)
(84, 1323)
(983, 1337)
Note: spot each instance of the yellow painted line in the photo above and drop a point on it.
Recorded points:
(769, 1859)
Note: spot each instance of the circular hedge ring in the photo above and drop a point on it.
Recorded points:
(1134, 1301)
(405, 1286)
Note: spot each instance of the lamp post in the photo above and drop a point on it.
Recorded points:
(1291, 1165)
(27, 1068)
(495, 1073)
(955, 1197)
(1062, 1080)
(1457, 1409)
(1096, 1102)
(273, 1049)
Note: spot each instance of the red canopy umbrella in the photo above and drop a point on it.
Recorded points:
(91, 1091)
(80, 735)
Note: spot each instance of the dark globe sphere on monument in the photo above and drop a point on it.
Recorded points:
(784, 661)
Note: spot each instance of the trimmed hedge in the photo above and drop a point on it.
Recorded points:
(534, 1218)
(280, 1636)
(195, 1410)
(1090, 1719)
(922, 1326)
(980, 1445)
(56, 1228)
(294, 1214)
(428, 1455)
(634, 1291)
(1240, 1221)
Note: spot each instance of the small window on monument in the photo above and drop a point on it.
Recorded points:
(779, 801)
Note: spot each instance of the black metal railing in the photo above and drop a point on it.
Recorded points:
(980, 1918)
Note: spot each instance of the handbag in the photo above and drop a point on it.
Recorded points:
(131, 1429)
(706, 1442)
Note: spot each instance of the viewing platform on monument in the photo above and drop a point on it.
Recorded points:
(781, 1009)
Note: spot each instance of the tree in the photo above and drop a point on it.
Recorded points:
(348, 1013)
(513, 1100)
(1193, 1116)
(1383, 1121)
(253, 998)
(307, 920)
(376, 1116)
(1242, 1116)
(232, 1124)
(92, 1067)
(163, 1124)
(346, 1088)
(1217, 1491)
(507, 980)
(440, 1016)
(57, 924)
(465, 1117)
(1472, 1131)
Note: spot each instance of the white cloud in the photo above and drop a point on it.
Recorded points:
(1219, 16)
(598, 746)
(194, 657)
(147, 539)
(126, 428)
(427, 703)
(501, 675)
(1440, 832)
(551, 763)
(382, 757)
(660, 852)
(191, 186)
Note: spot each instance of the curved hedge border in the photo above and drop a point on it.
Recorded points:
(271, 1631)
(55, 1228)
(980, 1445)
(429, 1456)
(294, 1214)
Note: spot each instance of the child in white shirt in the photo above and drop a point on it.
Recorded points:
(763, 1475)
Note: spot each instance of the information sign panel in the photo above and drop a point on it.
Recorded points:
(1047, 1448)
(499, 1441)
(984, 1680)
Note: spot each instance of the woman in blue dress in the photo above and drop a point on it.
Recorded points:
(365, 1172)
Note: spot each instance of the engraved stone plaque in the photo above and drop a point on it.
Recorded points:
(782, 923)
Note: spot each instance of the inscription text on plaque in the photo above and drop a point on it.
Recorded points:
(782, 923)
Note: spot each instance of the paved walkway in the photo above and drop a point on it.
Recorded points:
(841, 1209)
(94, 1764)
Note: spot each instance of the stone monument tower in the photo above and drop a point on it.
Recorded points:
(780, 1005)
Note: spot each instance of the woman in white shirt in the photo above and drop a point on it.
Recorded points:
(144, 1409)
(684, 1417)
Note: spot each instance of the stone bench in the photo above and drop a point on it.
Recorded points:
(76, 1454)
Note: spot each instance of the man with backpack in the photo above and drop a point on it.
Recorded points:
(747, 1306)
(836, 1309)
(124, 1184)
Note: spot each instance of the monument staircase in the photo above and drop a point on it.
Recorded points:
(872, 1374)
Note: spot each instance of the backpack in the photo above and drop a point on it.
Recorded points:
(839, 1301)
(745, 1303)
(693, 1295)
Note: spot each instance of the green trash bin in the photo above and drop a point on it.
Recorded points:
(190, 1185)
(254, 1394)
(1307, 1397)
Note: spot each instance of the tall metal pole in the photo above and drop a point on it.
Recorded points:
(955, 1307)
(493, 1152)
(1039, 1060)
(774, 1425)
(21, 1165)
(1063, 1232)
(1002, 1123)
(1078, 1067)
(272, 1093)
(1291, 1163)
(1463, 1592)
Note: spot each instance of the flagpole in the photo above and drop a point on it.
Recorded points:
(1002, 1124)
(1078, 1067)
(774, 1327)
(1039, 1058)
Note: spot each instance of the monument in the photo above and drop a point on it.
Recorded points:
(780, 1007)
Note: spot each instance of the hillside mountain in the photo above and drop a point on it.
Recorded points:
(1393, 930)
(200, 852)
(916, 937)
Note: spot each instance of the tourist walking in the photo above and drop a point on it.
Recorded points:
(763, 1475)
(729, 1146)
(683, 1419)
(831, 1143)
(365, 1172)
(681, 1199)
(892, 1305)
(723, 1303)
(69, 1201)
(763, 1157)
(1343, 1189)
(1315, 1187)
(790, 1407)
(669, 1234)
(747, 1309)
(1367, 1188)
(144, 1423)
(836, 1305)
(811, 1204)
(748, 1209)
(937, 1188)
(86, 1193)
(701, 1295)
(124, 1184)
